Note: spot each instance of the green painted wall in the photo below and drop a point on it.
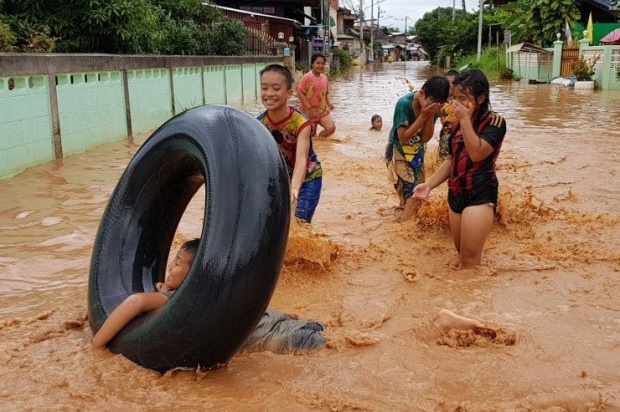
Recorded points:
(187, 88)
(96, 106)
(249, 80)
(215, 85)
(91, 108)
(149, 97)
(234, 85)
(25, 123)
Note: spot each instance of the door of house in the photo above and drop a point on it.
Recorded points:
(569, 55)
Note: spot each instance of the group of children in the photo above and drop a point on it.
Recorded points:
(291, 128)
(470, 140)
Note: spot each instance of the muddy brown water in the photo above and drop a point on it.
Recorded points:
(549, 284)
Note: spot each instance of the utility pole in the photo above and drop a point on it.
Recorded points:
(363, 54)
(480, 32)
(464, 8)
(326, 28)
(453, 11)
(405, 25)
(372, 31)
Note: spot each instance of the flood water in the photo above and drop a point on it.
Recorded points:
(548, 285)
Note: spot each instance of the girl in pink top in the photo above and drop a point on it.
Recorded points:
(314, 95)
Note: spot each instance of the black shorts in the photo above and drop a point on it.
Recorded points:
(478, 196)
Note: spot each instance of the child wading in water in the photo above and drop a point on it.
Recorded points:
(413, 126)
(143, 302)
(376, 123)
(474, 145)
(447, 118)
(291, 130)
(314, 94)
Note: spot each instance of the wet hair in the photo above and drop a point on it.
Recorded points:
(437, 89)
(316, 56)
(476, 84)
(278, 68)
(191, 247)
(451, 72)
(375, 117)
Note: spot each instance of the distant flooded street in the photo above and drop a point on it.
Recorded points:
(549, 285)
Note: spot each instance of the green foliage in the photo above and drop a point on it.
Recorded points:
(584, 70)
(88, 26)
(120, 27)
(344, 57)
(190, 11)
(7, 38)
(226, 38)
(183, 39)
(618, 73)
(538, 21)
(39, 41)
(492, 62)
(441, 37)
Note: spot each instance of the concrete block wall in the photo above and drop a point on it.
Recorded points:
(53, 106)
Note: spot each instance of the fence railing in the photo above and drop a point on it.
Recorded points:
(530, 66)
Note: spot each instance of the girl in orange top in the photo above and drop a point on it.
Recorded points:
(314, 95)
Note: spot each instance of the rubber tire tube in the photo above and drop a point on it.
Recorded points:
(244, 235)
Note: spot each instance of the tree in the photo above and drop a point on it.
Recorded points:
(226, 38)
(441, 37)
(7, 38)
(537, 21)
(88, 26)
(118, 26)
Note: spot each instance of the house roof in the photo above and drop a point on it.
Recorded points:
(529, 48)
(250, 13)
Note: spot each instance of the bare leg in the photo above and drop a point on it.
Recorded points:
(329, 127)
(447, 320)
(475, 226)
(411, 207)
(455, 228)
(399, 191)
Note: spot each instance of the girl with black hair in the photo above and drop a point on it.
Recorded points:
(474, 144)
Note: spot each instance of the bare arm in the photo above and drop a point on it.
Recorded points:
(443, 172)
(302, 96)
(328, 99)
(301, 160)
(477, 148)
(428, 129)
(424, 122)
(130, 308)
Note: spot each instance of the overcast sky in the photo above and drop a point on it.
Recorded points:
(393, 12)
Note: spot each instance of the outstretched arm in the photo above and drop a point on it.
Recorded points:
(130, 308)
(424, 122)
(478, 149)
(443, 172)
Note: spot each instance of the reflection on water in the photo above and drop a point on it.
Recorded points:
(551, 276)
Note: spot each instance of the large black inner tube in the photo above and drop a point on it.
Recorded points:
(242, 245)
